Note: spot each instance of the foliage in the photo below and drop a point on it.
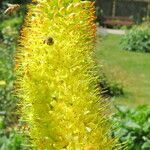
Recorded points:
(9, 30)
(7, 101)
(99, 15)
(58, 79)
(145, 24)
(16, 1)
(12, 142)
(10, 139)
(137, 39)
(132, 126)
(110, 88)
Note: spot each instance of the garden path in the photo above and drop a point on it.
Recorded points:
(105, 31)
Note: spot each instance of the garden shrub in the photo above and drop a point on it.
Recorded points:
(132, 127)
(7, 100)
(9, 30)
(137, 39)
(11, 141)
(9, 33)
(57, 79)
(110, 88)
(145, 24)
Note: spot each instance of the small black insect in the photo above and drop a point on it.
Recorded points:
(49, 41)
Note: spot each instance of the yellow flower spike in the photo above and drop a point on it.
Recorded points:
(58, 79)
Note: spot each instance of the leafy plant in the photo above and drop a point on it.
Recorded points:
(12, 142)
(10, 139)
(57, 77)
(132, 127)
(7, 49)
(110, 88)
(99, 15)
(137, 39)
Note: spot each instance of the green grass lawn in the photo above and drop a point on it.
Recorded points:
(131, 69)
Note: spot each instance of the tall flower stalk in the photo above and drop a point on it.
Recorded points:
(57, 77)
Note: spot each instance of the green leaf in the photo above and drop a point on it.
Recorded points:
(122, 108)
(132, 125)
(146, 145)
(146, 127)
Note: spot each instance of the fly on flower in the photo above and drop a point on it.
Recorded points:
(11, 9)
